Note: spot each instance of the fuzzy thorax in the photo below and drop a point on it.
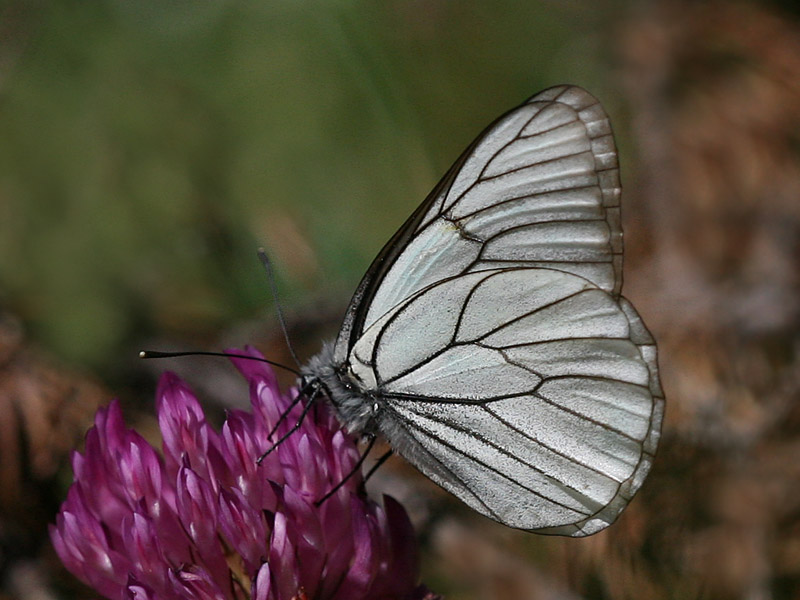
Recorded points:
(355, 407)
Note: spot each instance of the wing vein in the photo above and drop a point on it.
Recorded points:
(454, 448)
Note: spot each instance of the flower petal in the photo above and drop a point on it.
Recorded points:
(195, 582)
(187, 438)
(244, 528)
(262, 584)
(286, 577)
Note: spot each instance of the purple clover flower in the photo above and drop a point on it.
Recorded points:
(205, 521)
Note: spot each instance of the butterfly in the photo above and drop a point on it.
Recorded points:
(488, 342)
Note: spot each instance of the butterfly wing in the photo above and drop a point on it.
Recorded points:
(492, 333)
(529, 393)
(539, 187)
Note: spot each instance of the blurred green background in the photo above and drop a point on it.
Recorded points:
(148, 148)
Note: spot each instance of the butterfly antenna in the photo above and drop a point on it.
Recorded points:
(262, 254)
(157, 354)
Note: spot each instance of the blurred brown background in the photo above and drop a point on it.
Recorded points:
(149, 148)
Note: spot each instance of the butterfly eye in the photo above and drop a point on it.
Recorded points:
(347, 377)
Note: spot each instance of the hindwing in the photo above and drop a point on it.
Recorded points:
(529, 393)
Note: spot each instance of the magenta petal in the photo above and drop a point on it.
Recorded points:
(268, 410)
(195, 583)
(69, 555)
(106, 497)
(141, 474)
(144, 547)
(262, 585)
(238, 449)
(82, 546)
(182, 423)
(254, 369)
(197, 508)
(110, 428)
(337, 525)
(311, 458)
(347, 456)
(286, 577)
(405, 555)
(187, 436)
(244, 528)
(137, 591)
(363, 569)
(310, 543)
(295, 458)
(265, 397)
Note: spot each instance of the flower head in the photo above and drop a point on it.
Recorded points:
(203, 520)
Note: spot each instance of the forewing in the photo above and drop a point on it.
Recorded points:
(531, 394)
(538, 188)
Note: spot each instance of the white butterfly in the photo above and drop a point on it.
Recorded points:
(489, 343)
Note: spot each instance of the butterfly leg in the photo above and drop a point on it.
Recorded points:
(353, 471)
(307, 407)
(378, 463)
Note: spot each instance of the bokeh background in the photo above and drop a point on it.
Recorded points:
(148, 148)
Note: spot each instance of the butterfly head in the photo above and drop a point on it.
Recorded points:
(357, 408)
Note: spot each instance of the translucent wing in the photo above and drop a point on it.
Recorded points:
(539, 187)
(529, 393)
